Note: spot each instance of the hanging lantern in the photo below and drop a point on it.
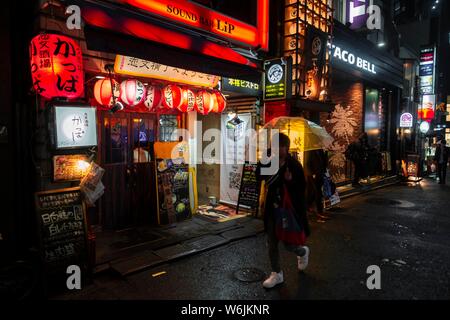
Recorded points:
(172, 96)
(188, 104)
(56, 66)
(220, 102)
(102, 91)
(153, 98)
(132, 92)
(204, 102)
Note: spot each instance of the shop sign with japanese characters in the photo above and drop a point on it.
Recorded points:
(240, 86)
(75, 127)
(426, 70)
(148, 69)
(277, 82)
(62, 228)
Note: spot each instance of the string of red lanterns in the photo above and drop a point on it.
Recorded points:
(148, 98)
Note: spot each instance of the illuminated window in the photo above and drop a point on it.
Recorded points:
(300, 15)
(448, 112)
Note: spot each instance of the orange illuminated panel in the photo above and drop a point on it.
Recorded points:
(199, 17)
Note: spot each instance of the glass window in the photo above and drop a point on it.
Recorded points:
(116, 140)
(448, 110)
(143, 138)
(168, 125)
(339, 10)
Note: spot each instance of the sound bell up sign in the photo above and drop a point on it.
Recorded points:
(278, 79)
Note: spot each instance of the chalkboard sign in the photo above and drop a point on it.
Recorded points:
(62, 228)
(173, 190)
(249, 188)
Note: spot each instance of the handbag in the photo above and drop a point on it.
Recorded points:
(329, 187)
(287, 228)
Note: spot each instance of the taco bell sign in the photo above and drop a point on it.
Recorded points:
(406, 120)
(356, 13)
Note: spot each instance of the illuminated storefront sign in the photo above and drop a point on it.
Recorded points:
(426, 110)
(240, 86)
(356, 13)
(75, 127)
(424, 127)
(142, 68)
(200, 17)
(352, 59)
(276, 81)
(406, 120)
(426, 70)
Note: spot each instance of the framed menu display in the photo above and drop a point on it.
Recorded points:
(70, 167)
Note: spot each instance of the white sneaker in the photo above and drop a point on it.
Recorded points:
(303, 261)
(273, 280)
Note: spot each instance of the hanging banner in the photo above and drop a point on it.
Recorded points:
(143, 68)
(315, 61)
(233, 145)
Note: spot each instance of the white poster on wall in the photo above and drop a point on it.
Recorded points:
(233, 145)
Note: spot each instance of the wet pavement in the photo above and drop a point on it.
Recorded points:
(402, 229)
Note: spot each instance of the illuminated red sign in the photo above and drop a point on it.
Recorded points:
(199, 17)
(148, 31)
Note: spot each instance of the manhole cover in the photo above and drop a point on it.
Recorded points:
(249, 275)
(391, 202)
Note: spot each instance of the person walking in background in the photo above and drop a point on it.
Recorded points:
(441, 157)
(316, 163)
(358, 153)
(286, 186)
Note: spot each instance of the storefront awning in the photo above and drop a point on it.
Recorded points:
(146, 39)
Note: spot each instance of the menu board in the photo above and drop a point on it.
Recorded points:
(412, 165)
(70, 167)
(173, 190)
(62, 228)
(249, 189)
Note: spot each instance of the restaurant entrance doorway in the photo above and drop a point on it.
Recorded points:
(126, 149)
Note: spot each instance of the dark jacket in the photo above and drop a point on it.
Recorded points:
(316, 162)
(437, 155)
(296, 187)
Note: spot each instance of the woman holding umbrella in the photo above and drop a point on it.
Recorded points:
(285, 191)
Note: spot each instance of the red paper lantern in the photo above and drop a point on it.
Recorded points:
(204, 102)
(172, 96)
(188, 101)
(102, 91)
(56, 66)
(132, 92)
(220, 102)
(153, 98)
